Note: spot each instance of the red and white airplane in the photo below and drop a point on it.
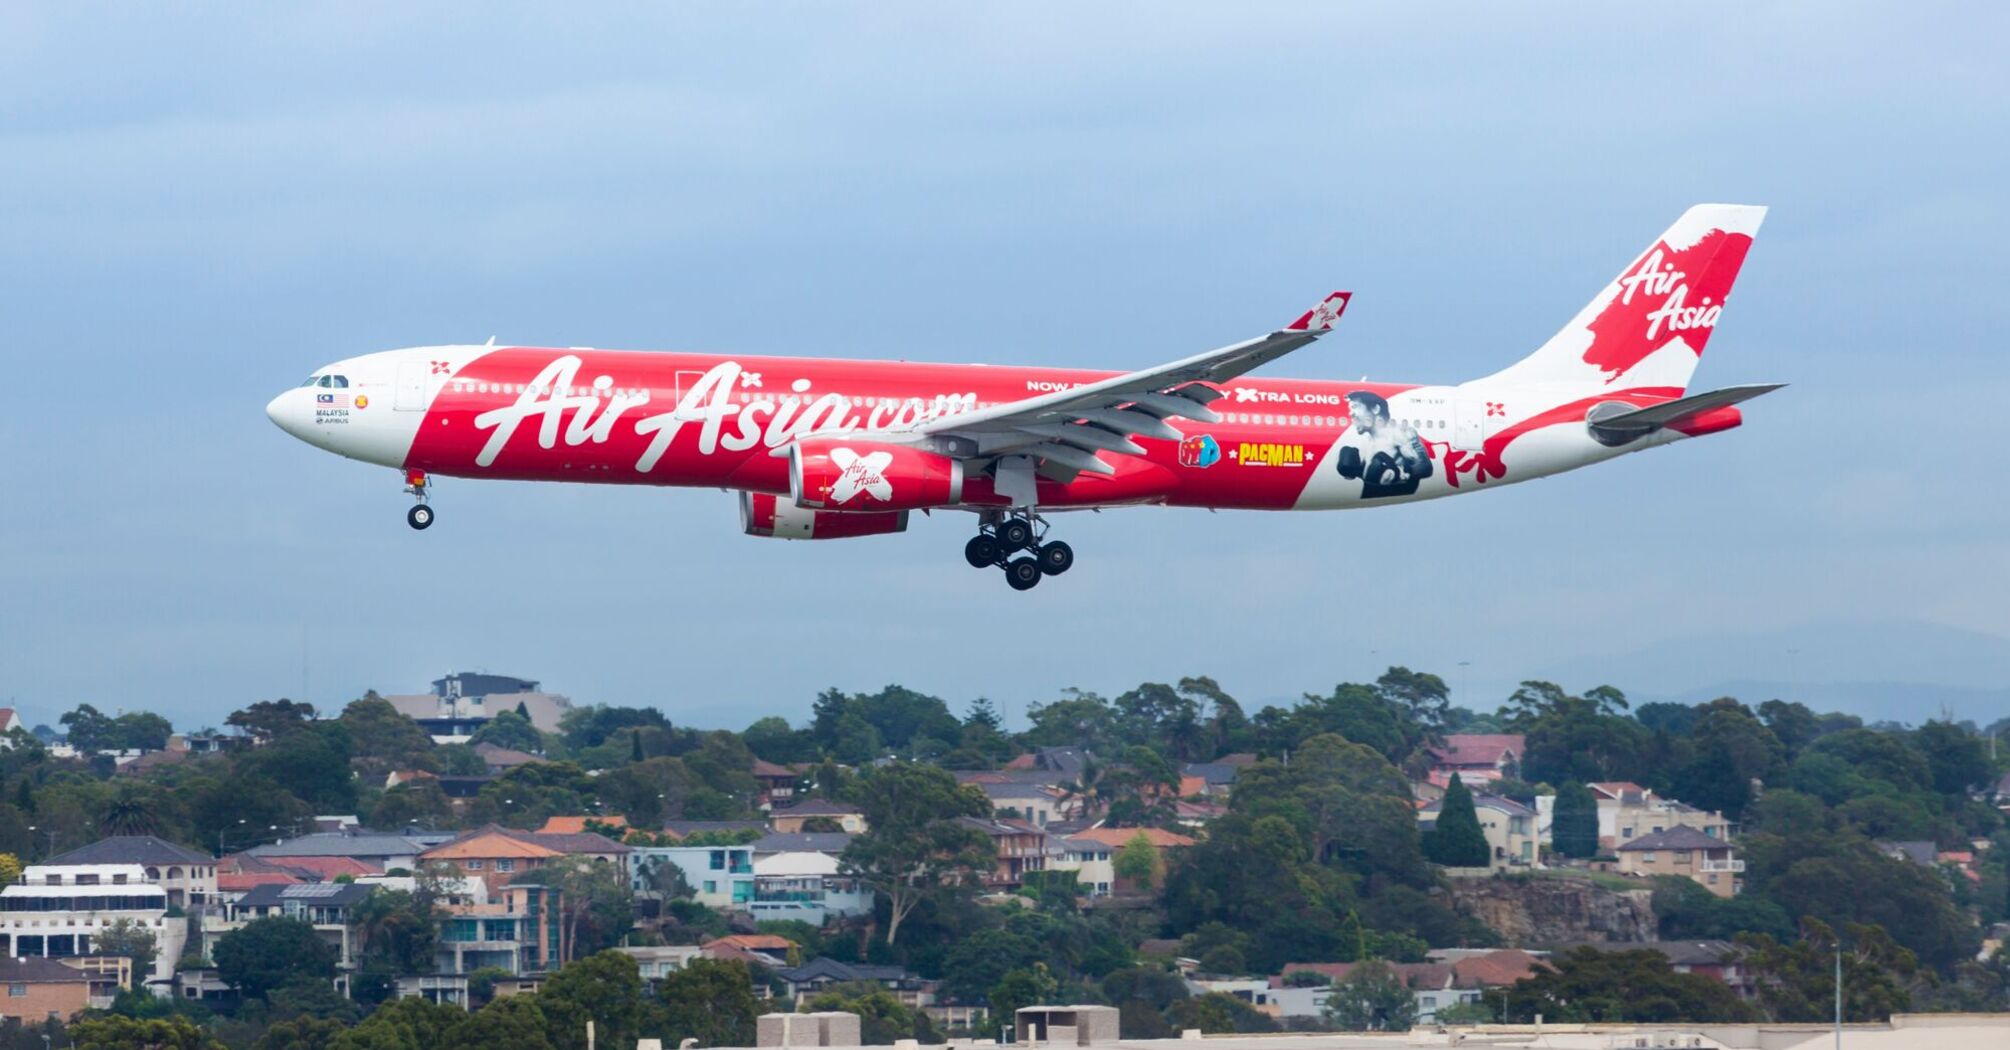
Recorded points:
(828, 449)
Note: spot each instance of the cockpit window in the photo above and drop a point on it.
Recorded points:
(340, 382)
(311, 381)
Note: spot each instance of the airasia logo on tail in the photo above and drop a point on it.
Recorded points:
(1669, 294)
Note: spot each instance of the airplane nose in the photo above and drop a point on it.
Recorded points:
(289, 412)
(273, 409)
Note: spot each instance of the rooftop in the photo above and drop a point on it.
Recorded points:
(1679, 837)
(132, 849)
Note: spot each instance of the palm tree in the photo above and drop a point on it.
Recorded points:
(133, 810)
(1090, 789)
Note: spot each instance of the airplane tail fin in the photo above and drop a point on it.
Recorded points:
(1649, 325)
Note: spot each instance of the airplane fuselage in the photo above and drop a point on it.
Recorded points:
(659, 418)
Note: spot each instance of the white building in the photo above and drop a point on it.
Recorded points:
(1093, 862)
(719, 876)
(807, 886)
(56, 911)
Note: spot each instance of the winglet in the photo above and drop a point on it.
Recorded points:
(1321, 317)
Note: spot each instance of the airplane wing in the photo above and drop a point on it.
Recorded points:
(1673, 413)
(1066, 432)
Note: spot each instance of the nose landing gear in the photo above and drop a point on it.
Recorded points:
(421, 515)
(999, 539)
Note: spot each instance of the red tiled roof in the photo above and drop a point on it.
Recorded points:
(251, 880)
(1495, 968)
(1122, 836)
(753, 942)
(1479, 749)
(577, 825)
(1415, 975)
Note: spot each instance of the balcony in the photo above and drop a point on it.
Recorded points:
(1731, 866)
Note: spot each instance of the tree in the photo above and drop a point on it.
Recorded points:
(1574, 827)
(1797, 980)
(1587, 985)
(710, 1000)
(882, 1018)
(971, 966)
(135, 808)
(1423, 698)
(403, 1024)
(267, 719)
(1457, 841)
(132, 939)
(599, 903)
(312, 762)
(1138, 863)
(418, 802)
(514, 1021)
(113, 1032)
(1021, 988)
(1731, 748)
(399, 928)
(301, 1033)
(511, 730)
(10, 870)
(605, 988)
(916, 844)
(269, 953)
(1371, 998)
(385, 740)
(1956, 758)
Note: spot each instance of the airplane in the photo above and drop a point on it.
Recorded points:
(822, 449)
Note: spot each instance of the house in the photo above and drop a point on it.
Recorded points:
(440, 989)
(326, 906)
(10, 720)
(615, 824)
(773, 949)
(497, 854)
(1060, 763)
(1477, 757)
(500, 760)
(684, 829)
(1627, 811)
(41, 990)
(520, 930)
(1686, 852)
(820, 973)
(460, 704)
(1718, 960)
(1093, 862)
(188, 876)
(790, 819)
(719, 876)
(1433, 986)
(1040, 804)
(778, 784)
(1480, 968)
(1508, 825)
(1021, 848)
(1214, 779)
(1915, 851)
(831, 842)
(382, 850)
(807, 886)
(56, 910)
(659, 961)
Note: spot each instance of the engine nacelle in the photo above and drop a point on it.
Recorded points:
(765, 514)
(852, 476)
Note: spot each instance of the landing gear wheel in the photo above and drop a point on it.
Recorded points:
(981, 552)
(1015, 533)
(1022, 573)
(1055, 558)
(419, 517)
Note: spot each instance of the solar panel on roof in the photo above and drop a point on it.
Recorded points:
(313, 889)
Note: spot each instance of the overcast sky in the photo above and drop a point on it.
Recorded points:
(197, 207)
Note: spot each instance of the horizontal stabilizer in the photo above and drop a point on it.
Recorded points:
(1672, 413)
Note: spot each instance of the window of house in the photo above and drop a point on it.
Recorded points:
(1681, 856)
(718, 859)
(1713, 880)
(711, 887)
(505, 865)
(17, 991)
(474, 865)
(1647, 858)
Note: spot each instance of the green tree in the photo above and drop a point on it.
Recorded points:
(605, 988)
(1371, 998)
(415, 802)
(916, 845)
(269, 953)
(269, 719)
(511, 730)
(1586, 985)
(1457, 841)
(882, 1018)
(1796, 980)
(398, 927)
(312, 763)
(132, 939)
(1730, 748)
(1574, 826)
(382, 740)
(1218, 1012)
(599, 903)
(113, 1032)
(403, 1024)
(301, 1033)
(1138, 863)
(135, 808)
(710, 1000)
(1020, 988)
(514, 1021)
(972, 965)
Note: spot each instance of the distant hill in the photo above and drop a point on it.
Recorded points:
(1897, 670)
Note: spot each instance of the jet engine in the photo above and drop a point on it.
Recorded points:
(851, 476)
(766, 514)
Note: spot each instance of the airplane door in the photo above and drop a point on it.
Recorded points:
(410, 393)
(1468, 417)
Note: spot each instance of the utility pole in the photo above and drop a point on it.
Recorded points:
(1838, 994)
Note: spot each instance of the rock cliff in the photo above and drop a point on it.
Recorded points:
(1544, 912)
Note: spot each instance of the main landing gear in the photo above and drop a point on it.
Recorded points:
(421, 515)
(1000, 542)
